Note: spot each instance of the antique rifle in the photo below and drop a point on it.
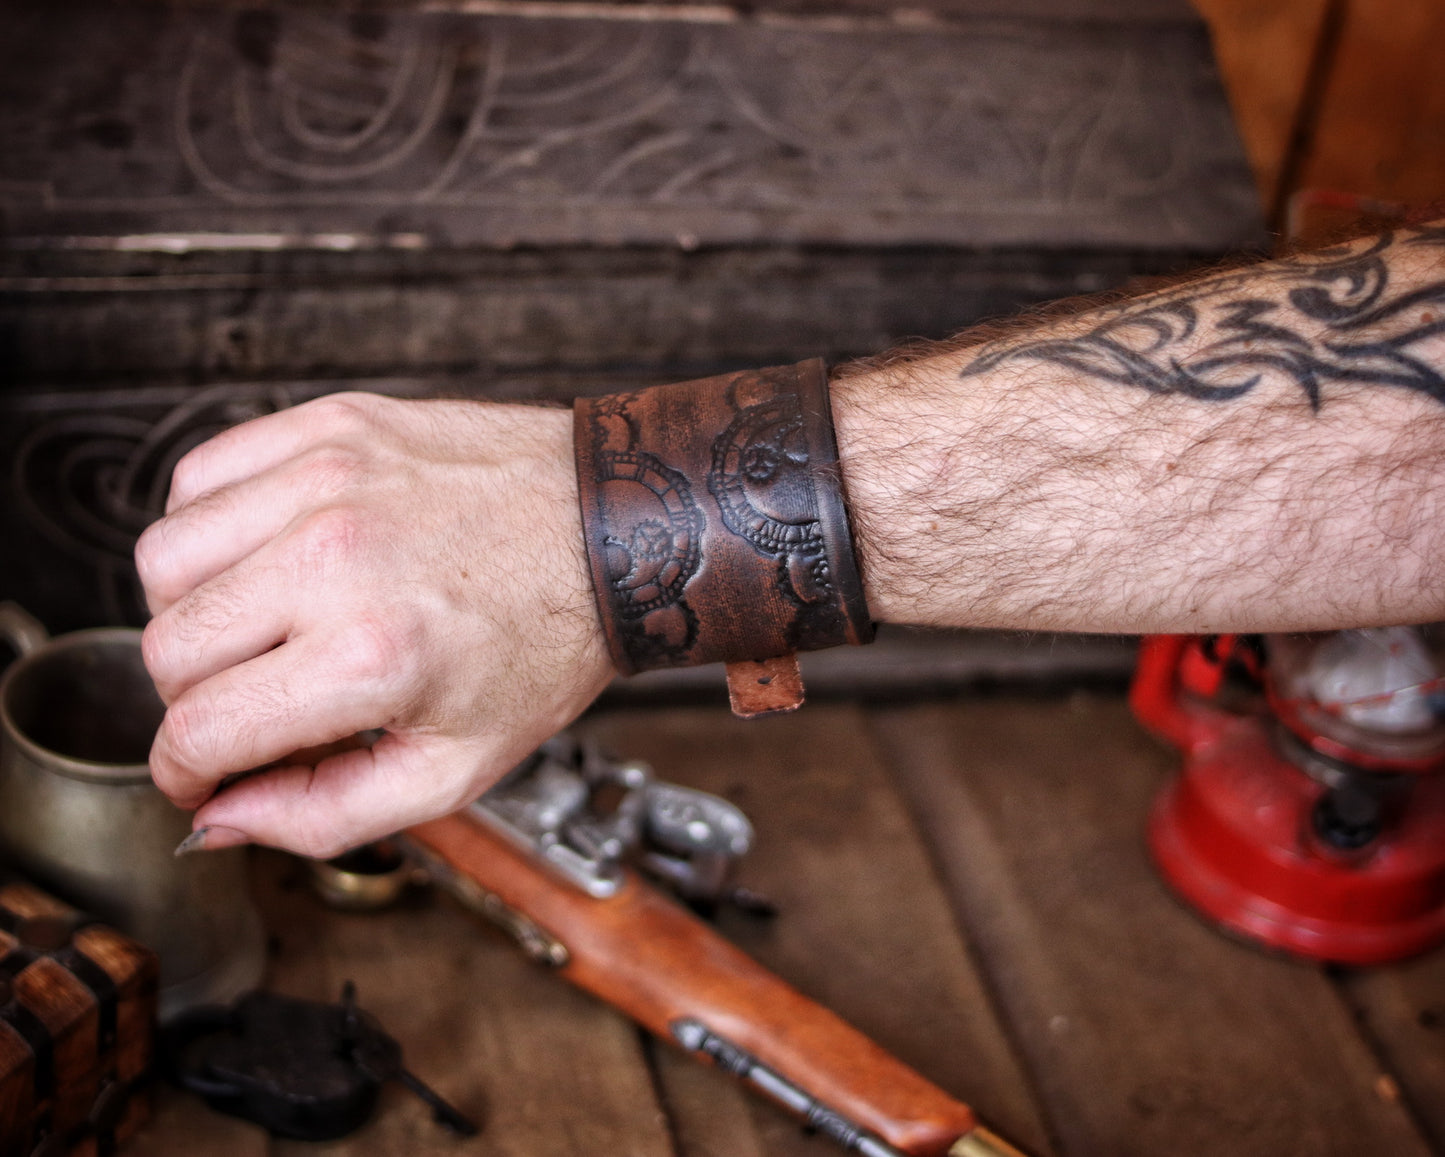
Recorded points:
(537, 856)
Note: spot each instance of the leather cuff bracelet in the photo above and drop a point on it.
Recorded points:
(715, 526)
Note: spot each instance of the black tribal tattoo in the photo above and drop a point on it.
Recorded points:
(1317, 318)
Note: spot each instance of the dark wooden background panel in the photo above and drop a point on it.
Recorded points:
(103, 319)
(1145, 1031)
(504, 199)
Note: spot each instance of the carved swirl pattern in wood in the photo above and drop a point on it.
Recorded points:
(90, 481)
(314, 106)
(496, 129)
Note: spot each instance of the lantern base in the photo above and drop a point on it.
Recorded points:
(1234, 835)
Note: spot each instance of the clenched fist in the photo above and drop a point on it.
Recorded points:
(361, 563)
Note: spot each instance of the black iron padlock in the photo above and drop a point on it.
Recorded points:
(300, 1068)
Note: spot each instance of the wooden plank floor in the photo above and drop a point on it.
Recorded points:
(966, 882)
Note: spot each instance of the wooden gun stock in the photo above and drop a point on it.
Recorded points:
(647, 956)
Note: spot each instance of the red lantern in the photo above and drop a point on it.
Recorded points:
(1310, 812)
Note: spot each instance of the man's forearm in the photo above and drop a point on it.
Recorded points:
(1261, 449)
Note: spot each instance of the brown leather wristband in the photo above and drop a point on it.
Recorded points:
(715, 523)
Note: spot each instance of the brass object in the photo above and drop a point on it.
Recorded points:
(365, 880)
(979, 1142)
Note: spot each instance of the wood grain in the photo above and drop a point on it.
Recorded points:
(864, 927)
(1145, 1031)
(1035, 928)
(1402, 1012)
(678, 132)
(641, 952)
(542, 1068)
(1381, 118)
(1264, 50)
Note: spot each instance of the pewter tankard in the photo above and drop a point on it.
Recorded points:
(80, 816)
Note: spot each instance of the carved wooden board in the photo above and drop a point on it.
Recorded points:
(411, 130)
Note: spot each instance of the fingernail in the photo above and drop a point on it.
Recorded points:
(211, 839)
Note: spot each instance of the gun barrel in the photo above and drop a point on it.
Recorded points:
(665, 968)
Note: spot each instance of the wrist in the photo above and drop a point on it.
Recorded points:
(899, 451)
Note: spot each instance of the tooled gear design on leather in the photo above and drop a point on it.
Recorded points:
(751, 574)
(761, 482)
(652, 544)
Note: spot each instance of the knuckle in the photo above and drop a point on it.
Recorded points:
(349, 411)
(330, 537)
(157, 650)
(372, 651)
(152, 557)
(333, 469)
(201, 616)
(187, 737)
(188, 476)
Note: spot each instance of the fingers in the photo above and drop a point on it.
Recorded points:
(216, 530)
(202, 636)
(263, 443)
(232, 618)
(348, 799)
(314, 689)
(297, 579)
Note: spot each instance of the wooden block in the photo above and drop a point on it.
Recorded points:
(77, 1024)
(26, 903)
(1144, 1030)
(17, 1084)
(66, 1011)
(130, 966)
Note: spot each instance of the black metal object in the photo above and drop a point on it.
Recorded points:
(300, 1068)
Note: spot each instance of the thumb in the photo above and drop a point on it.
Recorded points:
(349, 798)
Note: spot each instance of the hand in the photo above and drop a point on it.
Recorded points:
(360, 562)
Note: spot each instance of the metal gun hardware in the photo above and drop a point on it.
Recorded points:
(552, 855)
(588, 815)
(695, 1037)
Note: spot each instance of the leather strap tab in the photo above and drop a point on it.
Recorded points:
(715, 522)
(765, 686)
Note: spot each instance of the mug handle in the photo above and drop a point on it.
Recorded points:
(21, 629)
